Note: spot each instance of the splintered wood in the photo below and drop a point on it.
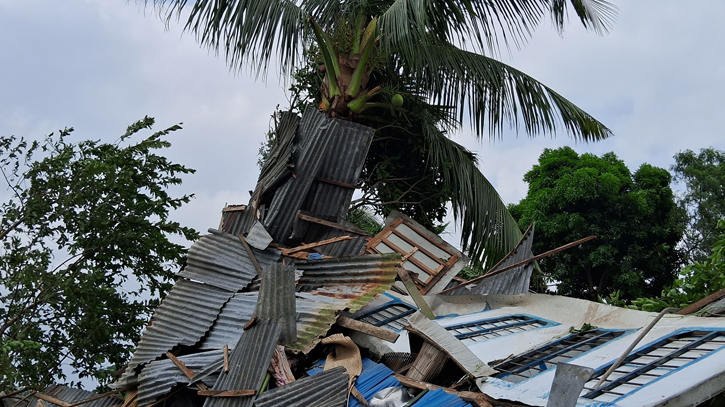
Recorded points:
(428, 364)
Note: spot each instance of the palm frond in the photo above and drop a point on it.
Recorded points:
(488, 231)
(248, 32)
(494, 94)
(597, 15)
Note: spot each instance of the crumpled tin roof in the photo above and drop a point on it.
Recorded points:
(248, 364)
(514, 281)
(183, 318)
(159, 377)
(220, 260)
(327, 389)
(73, 395)
(359, 278)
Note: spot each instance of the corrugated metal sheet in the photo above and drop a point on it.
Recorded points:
(313, 138)
(72, 395)
(277, 299)
(326, 389)
(236, 222)
(343, 160)
(514, 281)
(439, 398)
(228, 327)
(276, 166)
(359, 278)
(374, 377)
(248, 364)
(220, 260)
(184, 316)
(159, 377)
(352, 247)
(455, 349)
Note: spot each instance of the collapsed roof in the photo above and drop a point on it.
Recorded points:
(255, 316)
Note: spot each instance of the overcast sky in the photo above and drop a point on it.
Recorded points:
(657, 80)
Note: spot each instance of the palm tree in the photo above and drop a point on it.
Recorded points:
(438, 53)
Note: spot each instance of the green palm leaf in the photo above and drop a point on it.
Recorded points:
(493, 93)
(488, 231)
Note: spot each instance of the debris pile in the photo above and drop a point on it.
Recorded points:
(288, 304)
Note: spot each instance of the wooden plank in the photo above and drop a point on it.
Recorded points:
(226, 358)
(251, 254)
(107, 394)
(479, 399)
(521, 263)
(414, 293)
(426, 237)
(226, 393)
(188, 372)
(235, 208)
(250, 323)
(287, 252)
(132, 396)
(423, 249)
(332, 224)
(338, 183)
(383, 233)
(51, 399)
(702, 303)
(428, 364)
(438, 276)
(413, 260)
(368, 329)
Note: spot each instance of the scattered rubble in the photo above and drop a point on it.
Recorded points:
(288, 304)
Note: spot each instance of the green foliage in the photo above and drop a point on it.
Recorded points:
(84, 233)
(584, 328)
(365, 220)
(635, 217)
(704, 199)
(695, 282)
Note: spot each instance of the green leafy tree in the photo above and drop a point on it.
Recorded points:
(83, 234)
(391, 55)
(635, 217)
(696, 281)
(704, 198)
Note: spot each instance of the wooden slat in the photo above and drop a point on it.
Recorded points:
(188, 372)
(702, 303)
(414, 293)
(332, 224)
(368, 329)
(226, 393)
(338, 183)
(521, 263)
(300, 248)
(251, 254)
(477, 398)
(51, 399)
(226, 358)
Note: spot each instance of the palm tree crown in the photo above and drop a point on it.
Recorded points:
(436, 52)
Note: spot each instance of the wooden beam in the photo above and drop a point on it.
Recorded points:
(107, 394)
(251, 254)
(368, 329)
(188, 372)
(287, 252)
(521, 263)
(414, 293)
(51, 399)
(479, 399)
(702, 303)
(338, 183)
(332, 224)
(226, 358)
(226, 393)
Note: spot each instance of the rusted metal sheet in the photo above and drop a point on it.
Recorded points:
(277, 300)
(72, 395)
(220, 260)
(359, 278)
(183, 318)
(432, 262)
(248, 364)
(514, 281)
(159, 377)
(326, 389)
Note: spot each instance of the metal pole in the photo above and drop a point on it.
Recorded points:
(633, 344)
